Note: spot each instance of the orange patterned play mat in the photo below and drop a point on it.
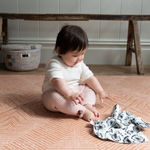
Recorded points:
(26, 125)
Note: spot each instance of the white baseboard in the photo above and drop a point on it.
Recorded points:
(111, 52)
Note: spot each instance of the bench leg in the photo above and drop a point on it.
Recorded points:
(1, 22)
(129, 44)
(5, 31)
(138, 53)
(133, 35)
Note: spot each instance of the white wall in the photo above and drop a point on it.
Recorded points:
(107, 38)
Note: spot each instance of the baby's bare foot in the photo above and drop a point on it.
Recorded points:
(88, 115)
(92, 109)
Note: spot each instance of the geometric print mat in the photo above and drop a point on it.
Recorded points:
(26, 124)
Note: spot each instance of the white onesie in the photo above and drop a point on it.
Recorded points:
(56, 68)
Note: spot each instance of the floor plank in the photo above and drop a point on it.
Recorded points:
(118, 70)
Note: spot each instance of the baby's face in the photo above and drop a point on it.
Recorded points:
(72, 58)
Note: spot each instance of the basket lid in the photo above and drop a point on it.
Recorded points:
(17, 47)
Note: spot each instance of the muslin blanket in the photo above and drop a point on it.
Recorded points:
(121, 126)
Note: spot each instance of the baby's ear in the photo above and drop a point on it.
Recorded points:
(58, 50)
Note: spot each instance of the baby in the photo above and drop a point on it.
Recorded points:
(69, 85)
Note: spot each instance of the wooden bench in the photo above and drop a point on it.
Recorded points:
(133, 32)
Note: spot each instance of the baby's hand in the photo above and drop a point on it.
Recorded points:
(103, 95)
(77, 97)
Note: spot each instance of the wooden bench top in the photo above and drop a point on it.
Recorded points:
(74, 17)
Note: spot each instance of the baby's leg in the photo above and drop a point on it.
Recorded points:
(93, 110)
(89, 115)
(54, 101)
(89, 99)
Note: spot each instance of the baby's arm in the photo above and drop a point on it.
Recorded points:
(95, 85)
(61, 86)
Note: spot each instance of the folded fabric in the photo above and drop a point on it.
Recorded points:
(121, 126)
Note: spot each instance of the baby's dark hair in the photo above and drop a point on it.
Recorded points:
(71, 38)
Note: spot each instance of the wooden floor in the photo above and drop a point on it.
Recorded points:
(118, 70)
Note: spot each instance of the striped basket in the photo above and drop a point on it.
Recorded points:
(20, 57)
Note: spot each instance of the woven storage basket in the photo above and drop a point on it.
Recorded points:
(22, 57)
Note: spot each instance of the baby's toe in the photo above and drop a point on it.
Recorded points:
(94, 119)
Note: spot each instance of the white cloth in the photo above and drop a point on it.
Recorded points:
(121, 126)
(56, 68)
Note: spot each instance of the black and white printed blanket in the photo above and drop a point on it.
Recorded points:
(121, 126)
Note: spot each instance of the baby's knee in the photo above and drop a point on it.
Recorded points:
(55, 95)
(52, 94)
(49, 98)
